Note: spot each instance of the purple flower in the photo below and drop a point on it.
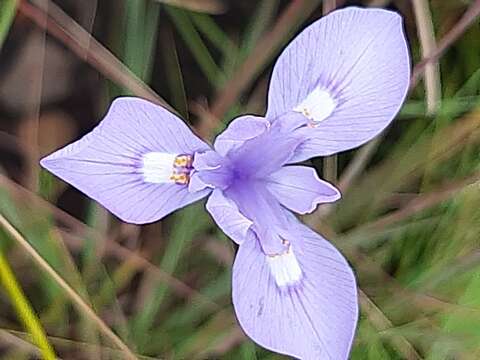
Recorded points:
(337, 85)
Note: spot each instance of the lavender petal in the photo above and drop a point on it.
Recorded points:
(300, 189)
(226, 214)
(238, 131)
(348, 73)
(266, 153)
(314, 318)
(106, 164)
(257, 204)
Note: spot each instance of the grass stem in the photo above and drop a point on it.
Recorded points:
(77, 300)
(24, 310)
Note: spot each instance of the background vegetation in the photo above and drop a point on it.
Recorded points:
(78, 284)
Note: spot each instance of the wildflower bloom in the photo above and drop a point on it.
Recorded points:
(337, 85)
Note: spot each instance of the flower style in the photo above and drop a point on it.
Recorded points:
(337, 85)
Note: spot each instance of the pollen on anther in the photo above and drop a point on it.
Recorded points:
(183, 161)
(160, 168)
(180, 179)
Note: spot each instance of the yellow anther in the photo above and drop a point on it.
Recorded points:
(183, 161)
(180, 179)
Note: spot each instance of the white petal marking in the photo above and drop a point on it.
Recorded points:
(317, 106)
(285, 268)
(157, 167)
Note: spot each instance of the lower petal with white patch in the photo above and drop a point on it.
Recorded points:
(309, 312)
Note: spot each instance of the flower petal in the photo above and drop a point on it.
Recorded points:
(300, 189)
(314, 318)
(238, 131)
(118, 164)
(347, 73)
(226, 214)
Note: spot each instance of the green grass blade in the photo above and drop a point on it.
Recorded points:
(189, 222)
(258, 25)
(213, 32)
(196, 45)
(24, 311)
(8, 9)
(174, 74)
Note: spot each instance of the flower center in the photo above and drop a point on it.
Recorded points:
(160, 167)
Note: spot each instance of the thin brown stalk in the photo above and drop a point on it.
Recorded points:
(426, 34)
(330, 163)
(205, 6)
(328, 6)
(378, 3)
(457, 267)
(358, 164)
(401, 295)
(69, 344)
(378, 319)
(467, 20)
(29, 131)
(448, 142)
(229, 341)
(63, 28)
(350, 174)
(113, 249)
(76, 299)
(23, 345)
(220, 251)
(110, 246)
(330, 168)
(267, 47)
(420, 203)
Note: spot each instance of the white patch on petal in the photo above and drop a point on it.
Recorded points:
(158, 167)
(161, 168)
(317, 106)
(285, 268)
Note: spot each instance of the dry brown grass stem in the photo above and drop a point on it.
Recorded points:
(110, 247)
(205, 6)
(426, 34)
(382, 323)
(76, 299)
(419, 203)
(467, 20)
(267, 47)
(8, 338)
(66, 30)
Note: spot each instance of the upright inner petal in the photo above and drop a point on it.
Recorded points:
(211, 171)
(317, 106)
(271, 228)
(158, 167)
(257, 204)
